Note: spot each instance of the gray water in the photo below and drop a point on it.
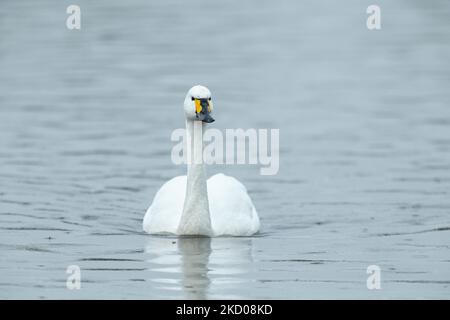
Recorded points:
(364, 119)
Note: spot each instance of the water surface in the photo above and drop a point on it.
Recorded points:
(364, 120)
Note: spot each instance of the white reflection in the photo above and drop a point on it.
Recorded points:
(200, 267)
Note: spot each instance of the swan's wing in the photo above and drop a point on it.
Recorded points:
(164, 214)
(232, 210)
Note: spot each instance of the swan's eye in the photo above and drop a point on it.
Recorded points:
(209, 98)
(192, 98)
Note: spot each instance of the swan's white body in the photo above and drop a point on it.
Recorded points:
(192, 205)
(231, 210)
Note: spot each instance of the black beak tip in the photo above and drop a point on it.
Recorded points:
(209, 119)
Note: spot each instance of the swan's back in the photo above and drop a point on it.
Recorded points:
(164, 214)
(232, 210)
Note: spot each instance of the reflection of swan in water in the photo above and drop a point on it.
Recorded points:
(194, 264)
(199, 266)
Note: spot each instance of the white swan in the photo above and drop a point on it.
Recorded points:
(192, 205)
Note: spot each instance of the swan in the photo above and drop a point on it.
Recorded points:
(192, 205)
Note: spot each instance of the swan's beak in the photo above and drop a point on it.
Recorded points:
(203, 109)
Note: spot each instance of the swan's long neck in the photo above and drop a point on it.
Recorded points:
(195, 219)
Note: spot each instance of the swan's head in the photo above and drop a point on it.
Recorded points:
(198, 104)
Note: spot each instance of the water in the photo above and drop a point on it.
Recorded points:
(364, 119)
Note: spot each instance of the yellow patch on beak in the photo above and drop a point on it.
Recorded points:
(198, 107)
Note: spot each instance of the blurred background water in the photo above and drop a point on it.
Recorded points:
(364, 118)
